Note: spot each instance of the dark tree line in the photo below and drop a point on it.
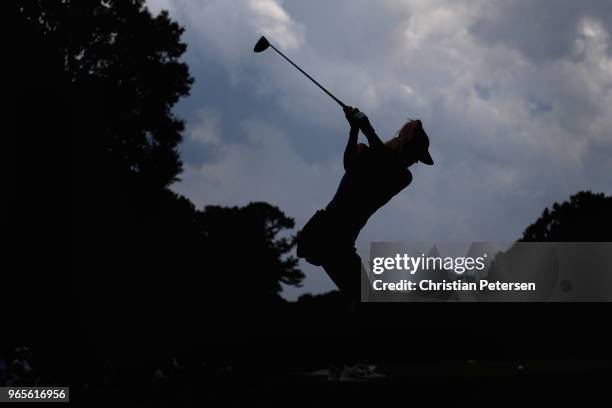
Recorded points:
(586, 217)
(98, 240)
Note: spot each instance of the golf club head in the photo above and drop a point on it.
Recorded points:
(262, 44)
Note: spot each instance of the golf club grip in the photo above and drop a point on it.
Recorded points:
(309, 77)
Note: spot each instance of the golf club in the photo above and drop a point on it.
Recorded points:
(263, 44)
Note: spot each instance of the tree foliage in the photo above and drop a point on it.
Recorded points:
(586, 217)
(98, 80)
(122, 68)
(247, 242)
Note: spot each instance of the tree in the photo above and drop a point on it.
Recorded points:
(98, 237)
(586, 217)
(251, 255)
(131, 267)
(121, 67)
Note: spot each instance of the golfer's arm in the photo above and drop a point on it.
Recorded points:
(350, 152)
(373, 139)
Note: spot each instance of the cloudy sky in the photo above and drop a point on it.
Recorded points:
(515, 95)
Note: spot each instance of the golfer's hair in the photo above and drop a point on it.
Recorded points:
(400, 143)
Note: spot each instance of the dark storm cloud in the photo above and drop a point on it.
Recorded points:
(539, 29)
(483, 91)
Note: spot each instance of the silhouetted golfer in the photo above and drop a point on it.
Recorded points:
(373, 175)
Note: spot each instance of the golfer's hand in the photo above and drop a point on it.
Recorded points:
(351, 116)
(363, 122)
(358, 119)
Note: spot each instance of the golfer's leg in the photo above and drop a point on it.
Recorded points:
(344, 269)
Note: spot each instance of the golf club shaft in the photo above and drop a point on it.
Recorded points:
(309, 77)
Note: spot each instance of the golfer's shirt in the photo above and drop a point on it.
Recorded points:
(366, 186)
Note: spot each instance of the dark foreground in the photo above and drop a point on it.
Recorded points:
(498, 383)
